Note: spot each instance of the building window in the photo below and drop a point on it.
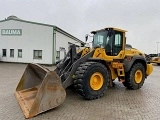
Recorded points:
(11, 52)
(57, 55)
(19, 53)
(4, 52)
(37, 54)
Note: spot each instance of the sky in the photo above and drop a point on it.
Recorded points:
(141, 18)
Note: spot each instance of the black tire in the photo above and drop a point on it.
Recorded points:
(158, 63)
(130, 81)
(83, 76)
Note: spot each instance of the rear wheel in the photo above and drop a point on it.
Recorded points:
(134, 79)
(91, 79)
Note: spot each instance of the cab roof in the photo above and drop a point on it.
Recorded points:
(116, 29)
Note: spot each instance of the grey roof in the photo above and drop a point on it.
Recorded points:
(54, 27)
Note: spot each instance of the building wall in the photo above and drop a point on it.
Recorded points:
(63, 41)
(34, 37)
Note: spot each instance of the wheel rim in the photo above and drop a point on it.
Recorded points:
(96, 81)
(138, 76)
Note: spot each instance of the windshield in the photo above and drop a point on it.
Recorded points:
(100, 39)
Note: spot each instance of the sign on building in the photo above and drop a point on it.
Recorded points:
(11, 31)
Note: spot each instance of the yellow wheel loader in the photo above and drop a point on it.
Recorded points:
(91, 71)
(155, 60)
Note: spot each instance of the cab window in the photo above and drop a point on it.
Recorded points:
(118, 43)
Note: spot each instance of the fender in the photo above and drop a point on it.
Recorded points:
(132, 59)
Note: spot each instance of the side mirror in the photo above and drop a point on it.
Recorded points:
(86, 37)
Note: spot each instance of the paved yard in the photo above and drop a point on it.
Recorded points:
(117, 104)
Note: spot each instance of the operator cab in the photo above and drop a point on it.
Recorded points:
(111, 39)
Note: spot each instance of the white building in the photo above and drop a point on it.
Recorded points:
(31, 42)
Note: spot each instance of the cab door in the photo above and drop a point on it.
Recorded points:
(118, 43)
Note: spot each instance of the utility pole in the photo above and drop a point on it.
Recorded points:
(157, 47)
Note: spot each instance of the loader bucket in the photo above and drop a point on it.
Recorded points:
(39, 90)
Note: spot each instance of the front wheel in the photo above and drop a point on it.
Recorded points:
(134, 79)
(91, 80)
